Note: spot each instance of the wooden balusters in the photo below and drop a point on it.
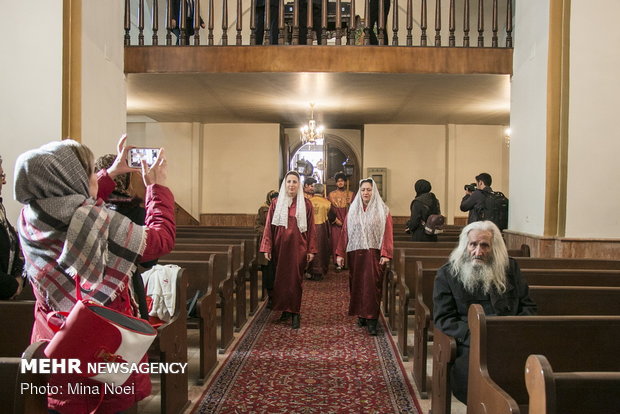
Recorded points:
(437, 23)
(380, 24)
(310, 23)
(480, 23)
(239, 22)
(127, 22)
(338, 23)
(423, 24)
(155, 22)
(494, 25)
(141, 22)
(182, 23)
(366, 20)
(352, 25)
(409, 22)
(211, 24)
(196, 23)
(168, 22)
(252, 22)
(323, 24)
(295, 39)
(395, 24)
(281, 25)
(267, 24)
(452, 23)
(466, 24)
(225, 22)
(509, 23)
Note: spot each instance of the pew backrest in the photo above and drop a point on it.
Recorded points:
(17, 320)
(576, 300)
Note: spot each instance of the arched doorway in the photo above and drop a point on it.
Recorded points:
(323, 159)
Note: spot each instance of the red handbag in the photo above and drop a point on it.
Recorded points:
(98, 335)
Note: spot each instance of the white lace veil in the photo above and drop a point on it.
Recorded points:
(365, 228)
(284, 201)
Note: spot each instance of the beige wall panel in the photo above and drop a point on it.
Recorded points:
(409, 152)
(240, 166)
(594, 140)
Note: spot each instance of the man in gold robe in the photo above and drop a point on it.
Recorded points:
(341, 200)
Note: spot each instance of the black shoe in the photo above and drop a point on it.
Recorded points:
(338, 269)
(269, 303)
(285, 315)
(308, 276)
(361, 322)
(295, 321)
(372, 326)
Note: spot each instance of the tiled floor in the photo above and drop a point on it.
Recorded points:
(151, 405)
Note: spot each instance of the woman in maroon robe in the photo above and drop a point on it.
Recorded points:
(368, 243)
(289, 240)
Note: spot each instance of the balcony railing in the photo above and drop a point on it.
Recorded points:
(320, 22)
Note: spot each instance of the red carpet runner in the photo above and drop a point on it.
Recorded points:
(328, 366)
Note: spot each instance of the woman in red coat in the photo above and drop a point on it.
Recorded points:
(368, 243)
(66, 230)
(289, 239)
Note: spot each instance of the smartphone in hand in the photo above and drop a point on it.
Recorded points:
(136, 155)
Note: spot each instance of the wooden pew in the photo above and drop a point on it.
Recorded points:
(251, 251)
(222, 284)
(238, 271)
(171, 346)
(249, 261)
(551, 301)
(595, 301)
(17, 317)
(501, 345)
(570, 392)
(200, 278)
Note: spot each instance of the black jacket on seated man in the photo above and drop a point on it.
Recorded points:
(11, 264)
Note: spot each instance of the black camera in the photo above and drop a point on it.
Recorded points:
(471, 187)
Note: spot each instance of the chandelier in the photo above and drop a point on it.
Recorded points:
(312, 132)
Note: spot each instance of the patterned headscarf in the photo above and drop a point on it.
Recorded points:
(65, 233)
(365, 228)
(284, 201)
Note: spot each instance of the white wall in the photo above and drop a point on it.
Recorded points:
(594, 140)
(104, 97)
(241, 164)
(31, 84)
(528, 118)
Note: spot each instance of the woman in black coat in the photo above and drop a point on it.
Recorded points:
(423, 205)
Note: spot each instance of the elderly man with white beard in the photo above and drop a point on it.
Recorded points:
(479, 271)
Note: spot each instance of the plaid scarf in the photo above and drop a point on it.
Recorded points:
(65, 233)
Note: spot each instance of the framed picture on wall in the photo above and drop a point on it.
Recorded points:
(379, 175)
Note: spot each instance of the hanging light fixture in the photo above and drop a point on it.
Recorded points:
(312, 132)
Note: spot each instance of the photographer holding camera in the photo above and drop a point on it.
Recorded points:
(475, 195)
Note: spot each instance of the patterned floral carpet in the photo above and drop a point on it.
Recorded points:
(328, 366)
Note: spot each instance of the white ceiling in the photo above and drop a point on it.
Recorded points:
(342, 99)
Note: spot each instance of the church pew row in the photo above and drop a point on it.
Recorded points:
(200, 278)
(402, 290)
(222, 284)
(501, 345)
(170, 346)
(575, 392)
(239, 278)
(239, 270)
(250, 258)
(586, 296)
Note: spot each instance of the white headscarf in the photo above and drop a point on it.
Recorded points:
(284, 201)
(365, 228)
